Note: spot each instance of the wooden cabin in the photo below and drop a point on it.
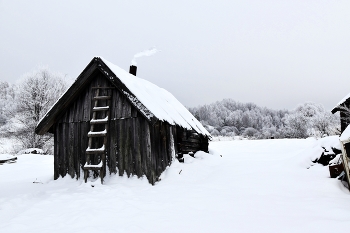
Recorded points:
(110, 121)
(342, 107)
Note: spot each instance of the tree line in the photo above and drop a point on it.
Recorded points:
(232, 118)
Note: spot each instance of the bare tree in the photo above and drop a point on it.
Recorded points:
(34, 95)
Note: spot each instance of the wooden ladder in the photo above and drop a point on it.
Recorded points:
(99, 153)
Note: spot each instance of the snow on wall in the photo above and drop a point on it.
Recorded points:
(161, 103)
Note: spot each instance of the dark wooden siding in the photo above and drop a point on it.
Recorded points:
(190, 141)
(134, 146)
(344, 119)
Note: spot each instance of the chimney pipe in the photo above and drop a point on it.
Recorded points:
(133, 70)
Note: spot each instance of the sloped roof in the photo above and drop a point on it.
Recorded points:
(153, 102)
(345, 134)
(338, 106)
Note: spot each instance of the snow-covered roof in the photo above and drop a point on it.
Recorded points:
(157, 100)
(151, 100)
(346, 134)
(335, 109)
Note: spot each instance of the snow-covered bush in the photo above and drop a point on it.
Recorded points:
(250, 133)
(215, 132)
(270, 132)
(229, 131)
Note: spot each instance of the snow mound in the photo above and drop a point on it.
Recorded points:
(329, 142)
(326, 151)
(31, 151)
(7, 157)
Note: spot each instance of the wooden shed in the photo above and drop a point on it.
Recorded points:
(343, 107)
(110, 121)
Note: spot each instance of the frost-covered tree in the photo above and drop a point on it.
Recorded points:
(6, 101)
(309, 119)
(269, 132)
(251, 133)
(296, 125)
(325, 123)
(34, 95)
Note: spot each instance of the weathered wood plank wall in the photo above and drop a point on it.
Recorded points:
(190, 141)
(134, 146)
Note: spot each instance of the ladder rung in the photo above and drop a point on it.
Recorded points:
(95, 151)
(97, 134)
(95, 109)
(92, 166)
(99, 121)
(102, 97)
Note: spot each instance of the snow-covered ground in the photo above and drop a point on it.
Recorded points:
(243, 186)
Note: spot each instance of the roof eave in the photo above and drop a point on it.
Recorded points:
(334, 110)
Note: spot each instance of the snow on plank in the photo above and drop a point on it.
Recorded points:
(97, 133)
(99, 121)
(105, 108)
(93, 166)
(95, 151)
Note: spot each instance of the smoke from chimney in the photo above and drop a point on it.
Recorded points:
(146, 53)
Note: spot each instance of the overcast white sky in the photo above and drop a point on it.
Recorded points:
(275, 53)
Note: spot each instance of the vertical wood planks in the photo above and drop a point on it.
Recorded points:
(112, 164)
(126, 142)
(56, 152)
(70, 150)
(148, 151)
(137, 147)
(120, 147)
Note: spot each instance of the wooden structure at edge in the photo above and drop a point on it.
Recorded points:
(345, 147)
(135, 145)
(344, 121)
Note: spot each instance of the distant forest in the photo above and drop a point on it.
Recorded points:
(232, 118)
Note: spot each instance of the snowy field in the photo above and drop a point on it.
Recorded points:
(242, 186)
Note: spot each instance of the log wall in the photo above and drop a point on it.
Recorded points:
(190, 141)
